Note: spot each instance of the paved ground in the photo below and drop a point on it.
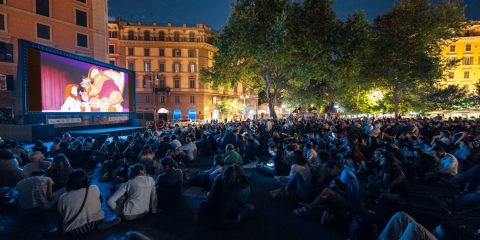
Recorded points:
(273, 219)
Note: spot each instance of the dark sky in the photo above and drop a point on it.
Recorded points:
(215, 12)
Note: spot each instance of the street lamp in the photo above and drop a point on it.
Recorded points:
(336, 106)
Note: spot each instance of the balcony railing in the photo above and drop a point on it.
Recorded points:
(166, 39)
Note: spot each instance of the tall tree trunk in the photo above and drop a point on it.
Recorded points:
(271, 107)
(396, 101)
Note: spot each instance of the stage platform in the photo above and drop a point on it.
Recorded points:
(110, 131)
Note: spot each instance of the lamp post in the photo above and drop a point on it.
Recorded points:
(244, 106)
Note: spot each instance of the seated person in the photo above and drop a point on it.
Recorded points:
(60, 171)
(342, 192)
(80, 208)
(36, 162)
(190, 149)
(206, 177)
(391, 177)
(281, 163)
(469, 200)
(169, 182)
(228, 198)
(232, 156)
(10, 172)
(35, 193)
(446, 165)
(299, 181)
(137, 197)
(402, 226)
(146, 157)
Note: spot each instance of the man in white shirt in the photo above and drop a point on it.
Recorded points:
(35, 193)
(446, 163)
(190, 149)
(175, 142)
(135, 198)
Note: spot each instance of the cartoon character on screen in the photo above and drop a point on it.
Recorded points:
(105, 89)
(73, 100)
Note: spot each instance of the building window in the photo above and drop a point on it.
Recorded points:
(146, 52)
(146, 66)
(42, 7)
(131, 65)
(161, 67)
(161, 81)
(466, 74)
(191, 82)
(176, 36)
(111, 48)
(130, 52)
(2, 2)
(146, 36)
(176, 82)
(43, 31)
(82, 1)
(192, 67)
(6, 52)
(176, 52)
(176, 67)
(192, 53)
(161, 52)
(192, 37)
(177, 99)
(452, 48)
(451, 75)
(161, 36)
(113, 34)
(147, 81)
(467, 60)
(162, 99)
(112, 61)
(131, 35)
(468, 47)
(3, 25)
(192, 99)
(82, 40)
(81, 18)
(147, 99)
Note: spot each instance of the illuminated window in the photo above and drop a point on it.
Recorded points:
(176, 67)
(176, 52)
(452, 48)
(162, 99)
(467, 60)
(466, 74)
(191, 67)
(214, 100)
(192, 37)
(146, 66)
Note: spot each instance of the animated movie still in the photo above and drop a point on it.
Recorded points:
(69, 85)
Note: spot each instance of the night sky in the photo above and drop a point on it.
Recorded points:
(215, 12)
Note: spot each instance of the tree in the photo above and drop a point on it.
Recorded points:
(451, 97)
(253, 49)
(228, 107)
(407, 41)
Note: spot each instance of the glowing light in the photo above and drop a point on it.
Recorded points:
(375, 95)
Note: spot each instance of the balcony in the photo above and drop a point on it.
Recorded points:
(167, 39)
(161, 89)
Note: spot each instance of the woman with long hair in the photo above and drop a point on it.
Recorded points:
(146, 157)
(60, 171)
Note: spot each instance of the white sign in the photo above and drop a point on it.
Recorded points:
(63, 120)
(115, 119)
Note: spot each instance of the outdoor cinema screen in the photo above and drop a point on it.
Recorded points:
(57, 83)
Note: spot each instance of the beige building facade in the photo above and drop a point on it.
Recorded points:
(167, 60)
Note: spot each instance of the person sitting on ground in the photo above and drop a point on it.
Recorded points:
(206, 177)
(299, 181)
(228, 198)
(403, 226)
(40, 147)
(175, 143)
(60, 171)
(137, 197)
(35, 193)
(232, 156)
(163, 147)
(80, 208)
(36, 162)
(10, 172)
(190, 149)
(342, 192)
(146, 158)
(391, 177)
(446, 165)
(168, 183)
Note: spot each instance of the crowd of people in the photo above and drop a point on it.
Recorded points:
(355, 171)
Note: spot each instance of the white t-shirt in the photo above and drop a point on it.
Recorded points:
(33, 192)
(191, 150)
(70, 202)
